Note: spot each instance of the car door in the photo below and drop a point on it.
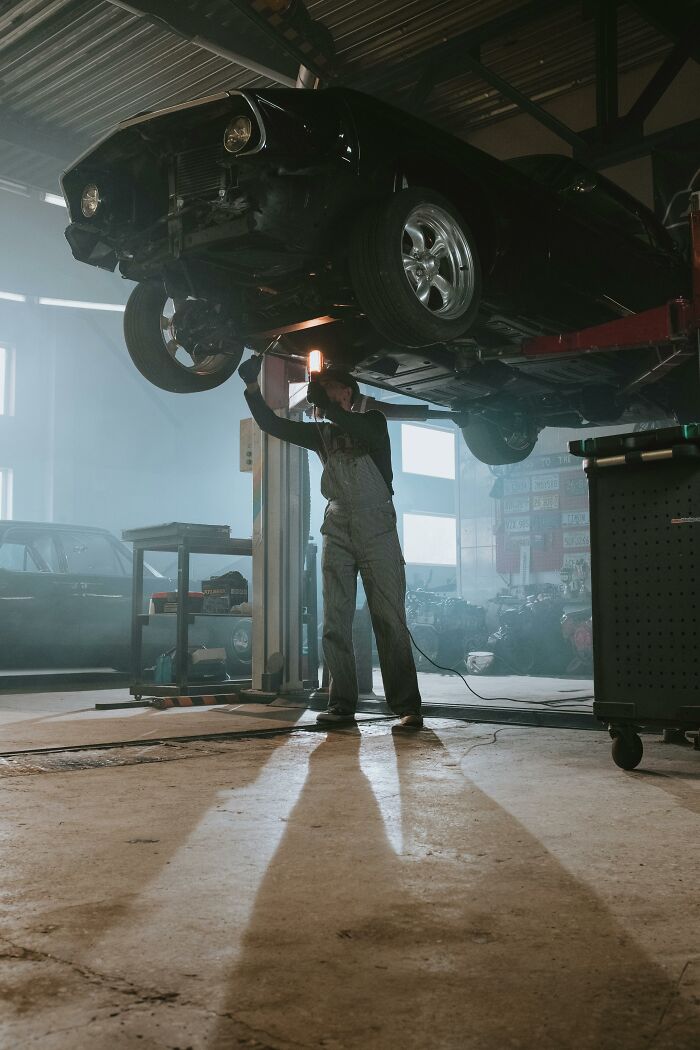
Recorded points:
(100, 581)
(36, 629)
(576, 268)
(606, 248)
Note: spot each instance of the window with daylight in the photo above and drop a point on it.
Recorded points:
(7, 381)
(428, 450)
(5, 493)
(430, 539)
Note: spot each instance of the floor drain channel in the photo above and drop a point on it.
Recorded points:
(68, 761)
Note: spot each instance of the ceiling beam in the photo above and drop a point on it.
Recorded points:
(247, 47)
(659, 82)
(523, 102)
(603, 155)
(606, 93)
(445, 58)
(307, 41)
(674, 19)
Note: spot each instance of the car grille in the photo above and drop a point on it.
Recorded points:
(200, 173)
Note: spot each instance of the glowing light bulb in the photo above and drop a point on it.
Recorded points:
(315, 362)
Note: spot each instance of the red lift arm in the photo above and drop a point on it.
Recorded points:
(671, 326)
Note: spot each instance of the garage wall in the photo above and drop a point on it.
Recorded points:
(522, 134)
(91, 442)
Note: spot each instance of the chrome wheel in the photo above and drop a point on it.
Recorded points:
(190, 360)
(240, 640)
(438, 261)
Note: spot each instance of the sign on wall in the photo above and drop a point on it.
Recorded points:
(572, 560)
(521, 524)
(577, 539)
(545, 483)
(515, 486)
(516, 505)
(576, 486)
(547, 502)
(575, 517)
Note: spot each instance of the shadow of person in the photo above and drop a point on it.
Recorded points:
(468, 934)
(147, 833)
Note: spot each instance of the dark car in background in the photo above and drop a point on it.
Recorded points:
(65, 601)
(329, 220)
(65, 596)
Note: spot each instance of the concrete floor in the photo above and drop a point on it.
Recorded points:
(465, 886)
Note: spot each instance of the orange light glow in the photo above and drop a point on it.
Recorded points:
(315, 362)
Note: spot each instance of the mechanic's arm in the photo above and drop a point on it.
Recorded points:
(368, 427)
(304, 434)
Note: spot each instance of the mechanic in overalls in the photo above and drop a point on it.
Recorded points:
(359, 534)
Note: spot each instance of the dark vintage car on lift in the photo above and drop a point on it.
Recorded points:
(339, 223)
(65, 601)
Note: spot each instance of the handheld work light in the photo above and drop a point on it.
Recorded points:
(314, 362)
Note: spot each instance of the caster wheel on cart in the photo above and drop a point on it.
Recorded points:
(627, 750)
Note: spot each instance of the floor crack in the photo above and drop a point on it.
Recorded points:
(114, 983)
(672, 997)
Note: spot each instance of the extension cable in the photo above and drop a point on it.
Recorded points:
(401, 618)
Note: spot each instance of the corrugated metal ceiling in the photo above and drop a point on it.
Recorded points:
(76, 67)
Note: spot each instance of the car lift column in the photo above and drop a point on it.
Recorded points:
(278, 543)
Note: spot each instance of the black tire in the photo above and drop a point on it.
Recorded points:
(490, 444)
(144, 341)
(381, 282)
(627, 750)
(239, 648)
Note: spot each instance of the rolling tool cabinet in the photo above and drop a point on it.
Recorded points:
(645, 577)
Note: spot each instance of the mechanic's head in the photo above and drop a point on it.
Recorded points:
(340, 386)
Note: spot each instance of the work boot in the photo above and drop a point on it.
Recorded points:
(411, 722)
(335, 716)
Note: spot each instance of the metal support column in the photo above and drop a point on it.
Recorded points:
(606, 65)
(182, 628)
(278, 542)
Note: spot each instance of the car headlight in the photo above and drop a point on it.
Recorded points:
(90, 200)
(238, 134)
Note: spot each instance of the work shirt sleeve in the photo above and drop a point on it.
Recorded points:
(304, 434)
(368, 427)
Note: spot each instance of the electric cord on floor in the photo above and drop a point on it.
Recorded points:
(450, 670)
(485, 743)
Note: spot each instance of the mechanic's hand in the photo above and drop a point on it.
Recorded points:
(250, 369)
(316, 394)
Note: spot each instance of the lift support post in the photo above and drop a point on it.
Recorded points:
(278, 545)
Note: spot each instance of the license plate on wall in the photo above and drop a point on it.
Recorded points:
(545, 483)
(575, 517)
(577, 539)
(514, 486)
(517, 524)
(550, 502)
(516, 505)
